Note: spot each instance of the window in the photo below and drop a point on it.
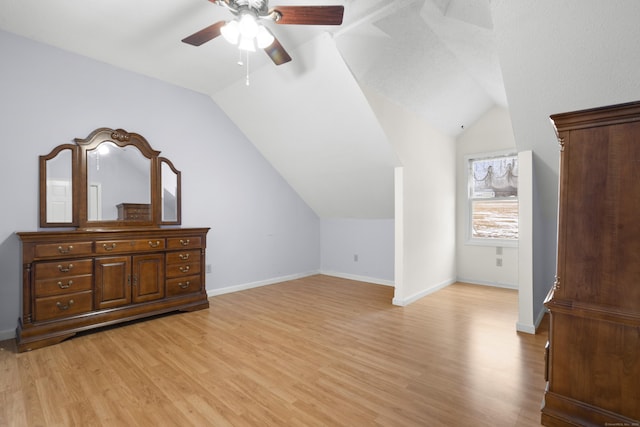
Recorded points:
(493, 199)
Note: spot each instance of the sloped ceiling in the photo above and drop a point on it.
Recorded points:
(319, 132)
(434, 57)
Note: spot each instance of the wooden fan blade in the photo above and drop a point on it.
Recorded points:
(277, 53)
(204, 35)
(309, 15)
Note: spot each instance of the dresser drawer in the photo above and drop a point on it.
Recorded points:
(63, 305)
(63, 249)
(135, 245)
(184, 269)
(183, 285)
(183, 256)
(62, 286)
(63, 269)
(184, 242)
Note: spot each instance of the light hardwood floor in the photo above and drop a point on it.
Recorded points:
(318, 351)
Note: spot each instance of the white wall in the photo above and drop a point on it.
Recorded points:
(261, 230)
(428, 200)
(477, 264)
(527, 321)
(359, 249)
(559, 56)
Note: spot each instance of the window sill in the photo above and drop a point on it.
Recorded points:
(492, 243)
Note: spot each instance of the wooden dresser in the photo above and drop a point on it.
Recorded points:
(594, 338)
(78, 280)
(121, 260)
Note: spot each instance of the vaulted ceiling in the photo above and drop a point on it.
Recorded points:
(308, 117)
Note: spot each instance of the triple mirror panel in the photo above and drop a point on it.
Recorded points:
(111, 179)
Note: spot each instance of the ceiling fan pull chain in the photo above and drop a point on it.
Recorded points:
(247, 68)
(240, 63)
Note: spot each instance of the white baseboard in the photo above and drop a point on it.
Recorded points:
(251, 285)
(367, 279)
(406, 301)
(531, 329)
(526, 328)
(540, 316)
(8, 334)
(485, 283)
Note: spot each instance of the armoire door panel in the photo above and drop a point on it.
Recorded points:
(594, 303)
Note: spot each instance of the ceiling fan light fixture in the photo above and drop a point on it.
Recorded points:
(248, 26)
(231, 32)
(264, 38)
(247, 44)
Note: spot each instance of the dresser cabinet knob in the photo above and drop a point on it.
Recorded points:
(108, 247)
(154, 244)
(184, 242)
(184, 285)
(184, 257)
(184, 269)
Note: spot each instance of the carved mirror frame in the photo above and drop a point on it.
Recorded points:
(79, 197)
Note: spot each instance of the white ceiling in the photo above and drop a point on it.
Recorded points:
(433, 57)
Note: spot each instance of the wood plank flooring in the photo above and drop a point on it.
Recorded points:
(318, 351)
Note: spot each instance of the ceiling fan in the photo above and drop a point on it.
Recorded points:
(247, 32)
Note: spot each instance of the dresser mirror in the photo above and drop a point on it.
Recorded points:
(115, 176)
(57, 197)
(170, 196)
(111, 179)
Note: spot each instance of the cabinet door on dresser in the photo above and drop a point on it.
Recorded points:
(113, 281)
(122, 280)
(147, 277)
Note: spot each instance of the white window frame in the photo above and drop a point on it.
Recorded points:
(484, 241)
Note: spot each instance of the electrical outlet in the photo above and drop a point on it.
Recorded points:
(498, 250)
(355, 257)
(498, 262)
(208, 268)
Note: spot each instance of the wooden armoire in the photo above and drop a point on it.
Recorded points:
(593, 359)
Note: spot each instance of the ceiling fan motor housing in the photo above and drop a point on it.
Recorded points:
(259, 7)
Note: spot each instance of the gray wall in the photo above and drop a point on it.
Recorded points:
(362, 249)
(261, 229)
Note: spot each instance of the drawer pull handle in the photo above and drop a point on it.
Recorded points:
(184, 285)
(154, 244)
(65, 269)
(67, 286)
(184, 242)
(108, 247)
(184, 257)
(184, 269)
(64, 307)
(65, 251)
